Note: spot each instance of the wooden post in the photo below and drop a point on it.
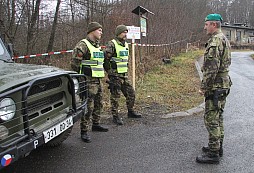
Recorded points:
(133, 63)
(187, 47)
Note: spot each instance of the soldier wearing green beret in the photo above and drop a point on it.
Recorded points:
(116, 66)
(88, 59)
(215, 87)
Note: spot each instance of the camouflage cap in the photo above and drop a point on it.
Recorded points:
(213, 17)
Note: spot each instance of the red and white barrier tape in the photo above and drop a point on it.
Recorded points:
(154, 45)
(43, 54)
(158, 45)
(70, 51)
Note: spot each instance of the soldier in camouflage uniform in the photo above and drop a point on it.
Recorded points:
(88, 59)
(215, 87)
(116, 65)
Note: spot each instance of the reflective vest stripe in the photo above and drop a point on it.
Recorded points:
(97, 71)
(97, 68)
(119, 60)
(122, 65)
(89, 62)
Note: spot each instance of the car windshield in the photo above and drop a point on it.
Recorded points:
(1, 49)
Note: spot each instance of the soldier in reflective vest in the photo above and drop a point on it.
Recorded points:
(88, 59)
(116, 66)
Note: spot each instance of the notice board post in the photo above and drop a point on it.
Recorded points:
(133, 34)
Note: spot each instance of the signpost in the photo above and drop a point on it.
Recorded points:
(133, 34)
(143, 21)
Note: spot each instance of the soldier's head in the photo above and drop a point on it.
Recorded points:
(212, 23)
(121, 32)
(94, 31)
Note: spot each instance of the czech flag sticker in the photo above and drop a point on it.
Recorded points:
(6, 160)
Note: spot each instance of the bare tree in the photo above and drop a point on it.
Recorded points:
(251, 16)
(7, 18)
(53, 31)
(31, 28)
(31, 25)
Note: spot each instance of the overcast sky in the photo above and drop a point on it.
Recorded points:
(50, 5)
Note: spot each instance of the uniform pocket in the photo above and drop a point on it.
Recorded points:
(222, 82)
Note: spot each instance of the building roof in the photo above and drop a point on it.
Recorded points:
(238, 26)
(141, 10)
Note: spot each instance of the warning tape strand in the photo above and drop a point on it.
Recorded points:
(70, 51)
(43, 54)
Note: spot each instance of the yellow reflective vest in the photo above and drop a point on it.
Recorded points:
(96, 60)
(122, 55)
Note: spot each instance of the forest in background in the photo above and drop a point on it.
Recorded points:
(32, 29)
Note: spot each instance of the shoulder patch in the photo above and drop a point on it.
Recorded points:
(78, 52)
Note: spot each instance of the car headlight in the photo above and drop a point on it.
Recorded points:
(7, 109)
(76, 85)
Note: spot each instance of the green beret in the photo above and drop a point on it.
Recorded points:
(120, 29)
(213, 17)
(93, 26)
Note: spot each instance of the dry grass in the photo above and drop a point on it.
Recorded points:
(175, 86)
(167, 88)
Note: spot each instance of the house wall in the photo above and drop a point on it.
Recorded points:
(239, 35)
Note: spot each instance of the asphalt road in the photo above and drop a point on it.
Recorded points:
(155, 145)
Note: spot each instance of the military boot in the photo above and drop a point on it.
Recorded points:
(99, 128)
(210, 158)
(206, 149)
(117, 120)
(85, 137)
(132, 114)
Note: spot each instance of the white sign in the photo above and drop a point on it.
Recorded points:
(133, 32)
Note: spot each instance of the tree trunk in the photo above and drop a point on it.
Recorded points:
(31, 26)
(72, 16)
(53, 31)
(12, 22)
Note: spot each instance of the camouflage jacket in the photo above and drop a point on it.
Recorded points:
(217, 59)
(81, 52)
(110, 52)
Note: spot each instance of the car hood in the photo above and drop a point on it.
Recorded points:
(14, 74)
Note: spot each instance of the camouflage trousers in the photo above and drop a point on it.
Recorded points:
(213, 119)
(94, 104)
(122, 85)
